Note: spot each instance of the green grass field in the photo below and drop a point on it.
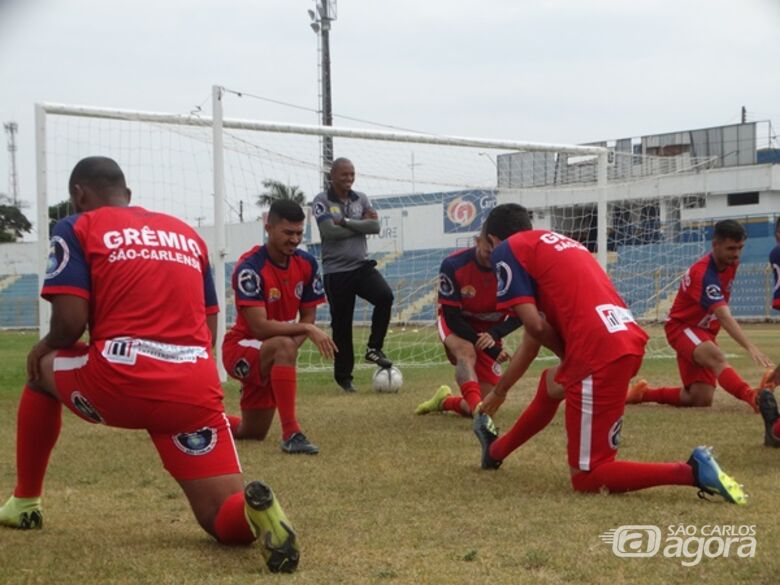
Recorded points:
(394, 498)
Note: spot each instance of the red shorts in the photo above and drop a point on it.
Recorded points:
(684, 339)
(242, 362)
(487, 369)
(193, 441)
(594, 413)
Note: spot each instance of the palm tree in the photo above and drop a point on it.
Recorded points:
(276, 190)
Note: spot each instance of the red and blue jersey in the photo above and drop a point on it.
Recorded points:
(471, 287)
(703, 289)
(774, 262)
(574, 294)
(145, 274)
(282, 290)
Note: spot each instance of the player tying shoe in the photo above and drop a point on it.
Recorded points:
(699, 310)
(471, 329)
(274, 284)
(140, 282)
(587, 324)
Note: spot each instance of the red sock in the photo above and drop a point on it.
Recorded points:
(230, 525)
(38, 424)
(234, 422)
(665, 395)
(534, 418)
(471, 393)
(736, 386)
(629, 476)
(776, 429)
(453, 404)
(284, 385)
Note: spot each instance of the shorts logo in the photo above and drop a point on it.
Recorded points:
(274, 294)
(197, 443)
(241, 368)
(446, 288)
(496, 368)
(59, 255)
(504, 278)
(85, 408)
(713, 292)
(614, 433)
(319, 209)
(317, 285)
(468, 292)
(461, 212)
(298, 290)
(249, 283)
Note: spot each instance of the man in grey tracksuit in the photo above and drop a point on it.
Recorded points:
(344, 218)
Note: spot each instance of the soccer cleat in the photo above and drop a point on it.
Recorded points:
(271, 527)
(377, 356)
(486, 432)
(435, 403)
(22, 513)
(712, 480)
(767, 380)
(347, 387)
(767, 405)
(636, 392)
(297, 443)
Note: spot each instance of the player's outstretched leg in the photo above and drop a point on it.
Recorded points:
(711, 479)
(486, 432)
(271, 527)
(768, 407)
(436, 402)
(23, 513)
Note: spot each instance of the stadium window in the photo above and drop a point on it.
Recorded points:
(694, 202)
(747, 198)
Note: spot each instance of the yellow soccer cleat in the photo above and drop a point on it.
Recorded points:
(435, 403)
(712, 480)
(271, 527)
(22, 513)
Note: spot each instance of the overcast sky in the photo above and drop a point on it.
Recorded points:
(539, 70)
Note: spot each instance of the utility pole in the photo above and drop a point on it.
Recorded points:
(744, 114)
(321, 18)
(11, 129)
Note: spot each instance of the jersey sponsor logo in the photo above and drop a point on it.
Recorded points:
(560, 242)
(446, 288)
(708, 320)
(274, 294)
(317, 285)
(148, 237)
(614, 433)
(241, 368)
(198, 443)
(125, 351)
(713, 292)
(504, 278)
(461, 212)
(84, 407)
(319, 209)
(248, 282)
(299, 290)
(615, 317)
(59, 255)
(468, 292)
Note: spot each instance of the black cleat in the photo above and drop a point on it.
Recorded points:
(297, 443)
(347, 387)
(486, 432)
(767, 406)
(377, 356)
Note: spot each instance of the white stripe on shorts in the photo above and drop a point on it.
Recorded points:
(256, 343)
(440, 326)
(232, 441)
(586, 423)
(66, 364)
(692, 336)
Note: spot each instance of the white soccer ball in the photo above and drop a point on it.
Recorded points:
(388, 379)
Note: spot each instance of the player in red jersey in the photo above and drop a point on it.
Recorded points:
(274, 284)
(471, 329)
(140, 282)
(766, 400)
(699, 310)
(586, 323)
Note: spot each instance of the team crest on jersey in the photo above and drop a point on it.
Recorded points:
(84, 407)
(504, 278)
(319, 209)
(59, 254)
(197, 443)
(446, 288)
(317, 285)
(241, 368)
(299, 290)
(274, 294)
(468, 292)
(614, 433)
(249, 282)
(713, 292)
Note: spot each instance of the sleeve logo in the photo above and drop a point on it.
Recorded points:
(446, 288)
(249, 283)
(319, 208)
(317, 286)
(713, 292)
(504, 278)
(59, 254)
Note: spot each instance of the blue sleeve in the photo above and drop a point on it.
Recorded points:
(248, 284)
(209, 289)
(313, 290)
(774, 260)
(515, 286)
(449, 291)
(320, 209)
(67, 271)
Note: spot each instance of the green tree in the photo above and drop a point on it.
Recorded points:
(13, 223)
(58, 211)
(276, 190)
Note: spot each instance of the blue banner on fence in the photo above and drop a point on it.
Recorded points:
(464, 211)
